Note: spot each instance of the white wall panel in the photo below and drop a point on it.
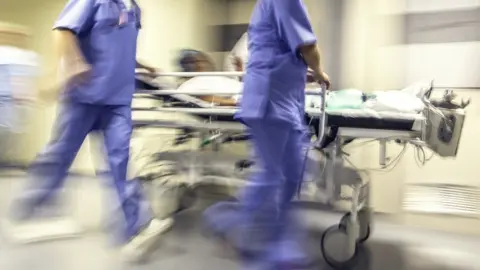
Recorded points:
(449, 64)
(414, 6)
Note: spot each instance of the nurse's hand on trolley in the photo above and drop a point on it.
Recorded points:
(323, 79)
(311, 55)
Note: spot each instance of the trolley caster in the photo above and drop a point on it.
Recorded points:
(338, 257)
(364, 224)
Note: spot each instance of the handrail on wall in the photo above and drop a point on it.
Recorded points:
(13, 35)
(14, 29)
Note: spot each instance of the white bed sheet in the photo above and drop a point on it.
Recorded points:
(410, 95)
(351, 113)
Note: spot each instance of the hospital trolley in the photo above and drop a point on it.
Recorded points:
(436, 128)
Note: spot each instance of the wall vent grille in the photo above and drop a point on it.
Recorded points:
(446, 199)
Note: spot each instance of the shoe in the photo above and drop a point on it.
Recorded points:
(299, 265)
(26, 224)
(41, 230)
(226, 247)
(141, 245)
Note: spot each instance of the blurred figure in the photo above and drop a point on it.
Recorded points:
(281, 46)
(96, 43)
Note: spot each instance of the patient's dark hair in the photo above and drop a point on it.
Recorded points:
(186, 60)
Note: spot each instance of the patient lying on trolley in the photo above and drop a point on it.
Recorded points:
(407, 100)
(197, 61)
(348, 108)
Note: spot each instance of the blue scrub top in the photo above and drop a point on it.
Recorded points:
(107, 34)
(274, 84)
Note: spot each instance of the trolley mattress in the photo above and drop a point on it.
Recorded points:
(351, 118)
(406, 123)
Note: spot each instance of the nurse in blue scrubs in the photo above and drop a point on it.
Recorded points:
(97, 43)
(281, 47)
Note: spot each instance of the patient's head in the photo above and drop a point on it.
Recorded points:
(204, 63)
(195, 61)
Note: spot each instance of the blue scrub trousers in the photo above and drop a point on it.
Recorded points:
(261, 222)
(49, 170)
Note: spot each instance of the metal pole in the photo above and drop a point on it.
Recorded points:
(193, 74)
(169, 92)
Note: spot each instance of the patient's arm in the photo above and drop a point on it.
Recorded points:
(145, 66)
(221, 101)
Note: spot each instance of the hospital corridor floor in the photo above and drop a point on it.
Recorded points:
(392, 247)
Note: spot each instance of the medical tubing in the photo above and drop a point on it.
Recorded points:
(420, 156)
(210, 139)
(238, 137)
(314, 146)
(227, 139)
(321, 133)
(387, 168)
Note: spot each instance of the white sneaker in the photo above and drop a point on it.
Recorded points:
(41, 230)
(140, 245)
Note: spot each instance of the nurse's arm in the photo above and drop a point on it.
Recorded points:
(294, 27)
(311, 55)
(222, 101)
(75, 20)
(67, 50)
(69, 65)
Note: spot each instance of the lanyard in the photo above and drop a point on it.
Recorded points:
(127, 15)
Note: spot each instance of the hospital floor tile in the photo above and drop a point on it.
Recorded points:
(392, 247)
(185, 248)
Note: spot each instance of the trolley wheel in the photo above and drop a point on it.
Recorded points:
(333, 246)
(363, 220)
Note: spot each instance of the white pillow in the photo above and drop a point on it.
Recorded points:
(214, 84)
(15, 56)
(417, 89)
(395, 101)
